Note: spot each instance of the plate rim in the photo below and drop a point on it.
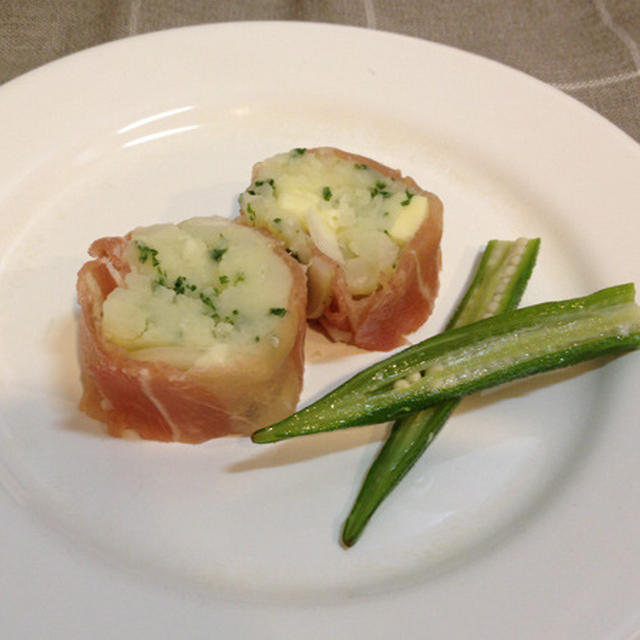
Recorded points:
(45, 69)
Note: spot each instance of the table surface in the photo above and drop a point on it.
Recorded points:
(588, 48)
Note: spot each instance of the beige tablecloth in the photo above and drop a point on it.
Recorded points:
(588, 48)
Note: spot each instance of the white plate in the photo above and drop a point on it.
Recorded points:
(521, 521)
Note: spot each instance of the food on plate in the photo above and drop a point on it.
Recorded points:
(473, 357)
(497, 286)
(370, 239)
(191, 331)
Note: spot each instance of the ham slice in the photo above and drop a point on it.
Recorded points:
(401, 305)
(404, 296)
(159, 401)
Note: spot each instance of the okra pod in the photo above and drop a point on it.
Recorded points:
(476, 356)
(497, 286)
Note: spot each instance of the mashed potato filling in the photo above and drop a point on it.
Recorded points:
(198, 293)
(349, 211)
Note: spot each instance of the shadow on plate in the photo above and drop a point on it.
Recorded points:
(314, 446)
(310, 447)
(62, 343)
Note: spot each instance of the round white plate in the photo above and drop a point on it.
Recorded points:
(522, 519)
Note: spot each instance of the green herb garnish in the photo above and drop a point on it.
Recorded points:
(259, 183)
(404, 203)
(161, 280)
(380, 188)
(181, 285)
(145, 252)
(220, 249)
(278, 311)
(326, 193)
(208, 302)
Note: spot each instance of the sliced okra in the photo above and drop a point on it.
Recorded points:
(497, 286)
(476, 356)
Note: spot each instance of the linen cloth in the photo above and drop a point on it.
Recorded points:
(587, 48)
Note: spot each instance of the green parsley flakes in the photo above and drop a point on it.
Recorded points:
(380, 188)
(181, 285)
(219, 250)
(145, 252)
(404, 203)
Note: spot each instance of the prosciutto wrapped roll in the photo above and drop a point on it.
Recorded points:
(191, 331)
(369, 236)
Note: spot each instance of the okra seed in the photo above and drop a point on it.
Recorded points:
(516, 251)
(492, 306)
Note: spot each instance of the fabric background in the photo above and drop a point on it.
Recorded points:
(587, 48)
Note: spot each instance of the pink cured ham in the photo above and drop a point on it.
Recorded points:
(404, 298)
(159, 401)
(381, 320)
